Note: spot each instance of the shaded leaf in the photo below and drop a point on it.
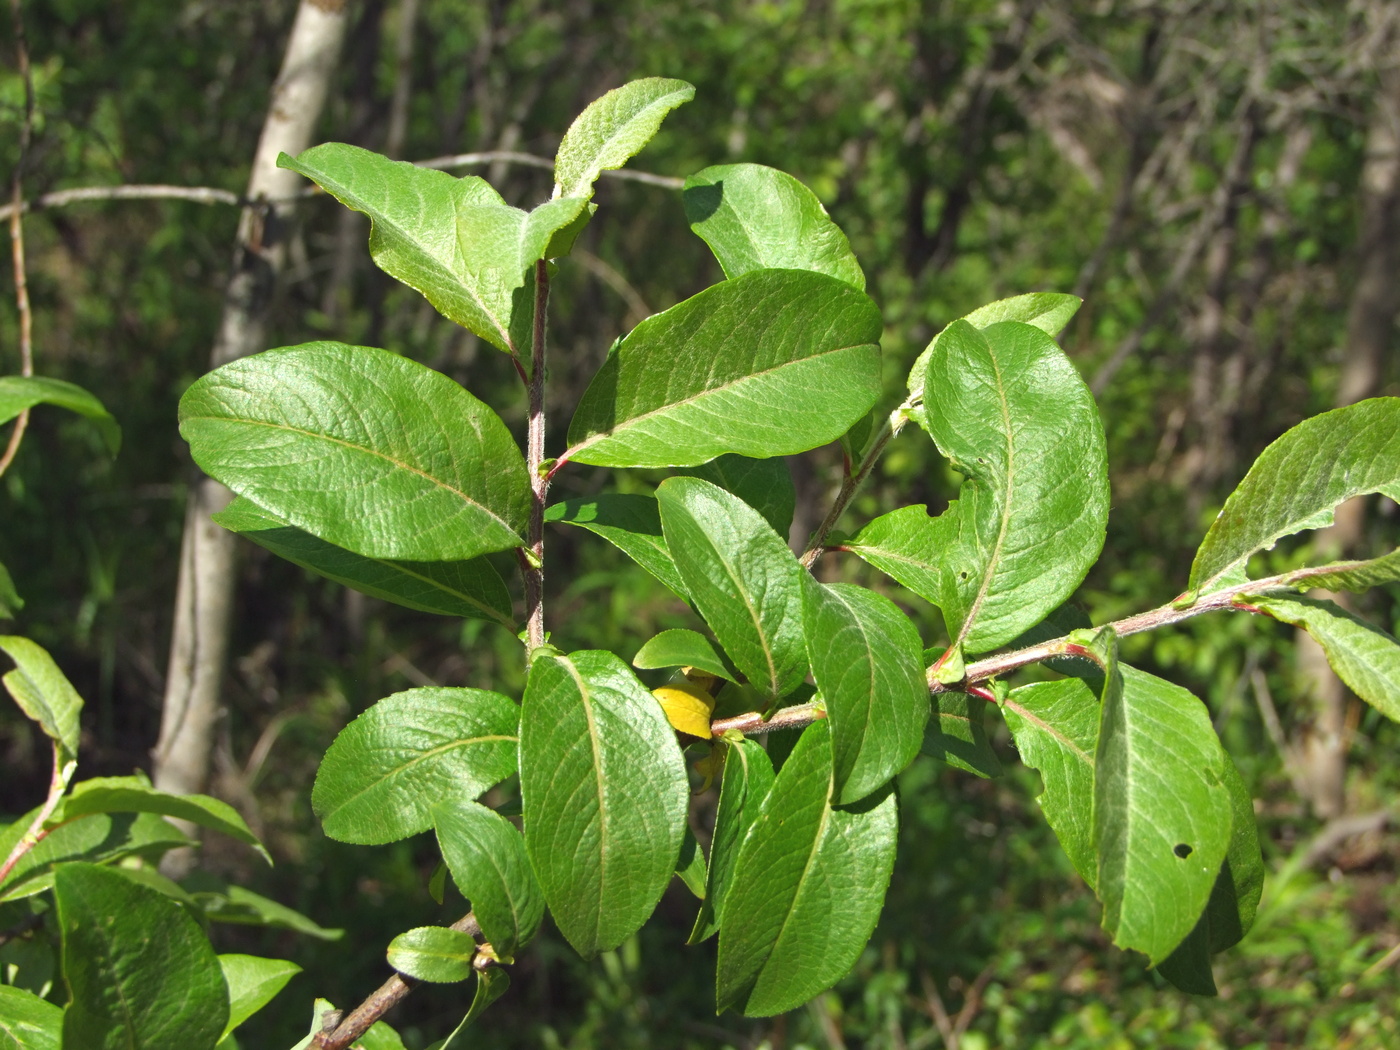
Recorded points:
(28, 1022)
(20, 392)
(43, 692)
(767, 364)
(690, 869)
(491, 984)
(748, 777)
(363, 448)
(755, 217)
(741, 577)
(140, 970)
(1297, 482)
(632, 524)
(1355, 576)
(387, 769)
(867, 660)
(10, 601)
(612, 130)
(453, 588)
(453, 239)
(486, 856)
(219, 901)
(682, 648)
(605, 794)
(764, 484)
(98, 838)
(807, 887)
(252, 983)
(1365, 657)
(433, 953)
(957, 734)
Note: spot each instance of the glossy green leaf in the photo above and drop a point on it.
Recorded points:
(218, 901)
(1296, 483)
(764, 484)
(631, 523)
(741, 577)
(767, 364)
(98, 838)
(141, 972)
(491, 984)
(389, 767)
(252, 983)
(28, 1022)
(957, 734)
(135, 795)
(20, 392)
(1055, 726)
(433, 953)
(453, 239)
(755, 217)
(43, 692)
(682, 648)
(612, 130)
(807, 887)
(1162, 811)
(1234, 899)
(453, 588)
(486, 856)
(1365, 657)
(867, 660)
(605, 793)
(1355, 576)
(379, 1037)
(690, 868)
(1048, 311)
(366, 449)
(10, 601)
(906, 545)
(748, 777)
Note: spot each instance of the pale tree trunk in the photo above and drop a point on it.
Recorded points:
(1321, 751)
(204, 594)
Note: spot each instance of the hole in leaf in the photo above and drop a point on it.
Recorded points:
(1182, 850)
(963, 575)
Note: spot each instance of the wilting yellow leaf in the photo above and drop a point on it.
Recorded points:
(688, 707)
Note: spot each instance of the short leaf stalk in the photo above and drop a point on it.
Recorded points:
(35, 834)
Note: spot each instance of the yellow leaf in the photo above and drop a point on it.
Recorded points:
(688, 707)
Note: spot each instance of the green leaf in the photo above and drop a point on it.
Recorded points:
(471, 589)
(433, 953)
(741, 577)
(690, 869)
(764, 484)
(318, 1016)
(682, 648)
(632, 524)
(957, 734)
(20, 392)
(605, 793)
(1162, 811)
(748, 777)
(43, 693)
(491, 984)
(140, 970)
(1297, 482)
(1009, 410)
(868, 664)
(220, 902)
(755, 218)
(1354, 576)
(389, 767)
(807, 887)
(28, 1022)
(1365, 657)
(135, 795)
(1055, 726)
(366, 449)
(252, 983)
(455, 240)
(379, 1037)
(486, 856)
(98, 838)
(10, 601)
(768, 364)
(1048, 311)
(1234, 899)
(612, 130)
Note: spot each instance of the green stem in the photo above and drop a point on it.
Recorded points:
(58, 784)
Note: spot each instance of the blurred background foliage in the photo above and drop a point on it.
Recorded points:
(1196, 169)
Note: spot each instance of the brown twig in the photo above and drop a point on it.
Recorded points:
(389, 994)
(58, 783)
(532, 565)
(852, 483)
(26, 319)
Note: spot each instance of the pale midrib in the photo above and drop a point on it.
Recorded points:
(670, 406)
(992, 561)
(367, 451)
(738, 582)
(423, 757)
(1051, 731)
(595, 164)
(496, 614)
(585, 698)
(801, 882)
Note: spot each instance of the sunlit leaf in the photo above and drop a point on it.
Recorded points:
(631, 523)
(486, 856)
(433, 953)
(252, 983)
(28, 1022)
(613, 129)
(20, 392)
(748, 777)
(43, 692)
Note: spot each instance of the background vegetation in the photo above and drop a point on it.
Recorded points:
(1210, 176)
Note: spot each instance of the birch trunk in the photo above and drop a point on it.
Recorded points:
(204, 594)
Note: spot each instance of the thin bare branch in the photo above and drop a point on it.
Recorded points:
(26, 317)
